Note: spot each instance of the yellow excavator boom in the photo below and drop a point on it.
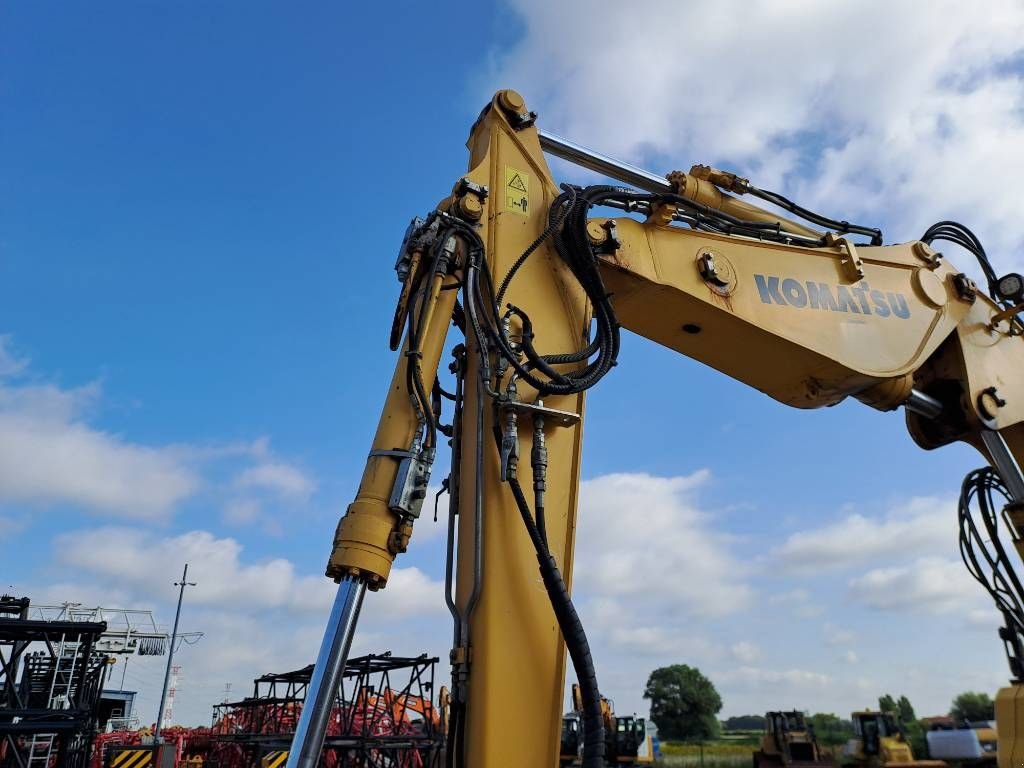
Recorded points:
(539, 291)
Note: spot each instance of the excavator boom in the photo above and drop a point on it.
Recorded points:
(809, 314)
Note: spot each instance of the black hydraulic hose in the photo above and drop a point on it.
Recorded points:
(843, 227)
(987, 561)
(956, 233)
(554, 221)
(575, 637)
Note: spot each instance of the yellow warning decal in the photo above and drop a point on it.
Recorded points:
(275, 759)
(133, 758)
(517, 191)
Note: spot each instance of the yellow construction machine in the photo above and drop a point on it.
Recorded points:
(880, 742)
(539, 279)
(789, 741)
(627, 741)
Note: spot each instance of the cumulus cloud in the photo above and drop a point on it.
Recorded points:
(923, 525)
(798, 601)
(10, 365)
(654, 578)
(147, 560)
(258, 614)
(641, 535)
(930, 584)
(795, 678)
(283, 479)
(242, 511)
(49, 454)
(745, 652)
(835, 635)
(923, 128)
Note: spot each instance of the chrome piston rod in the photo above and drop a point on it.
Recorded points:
(923, 405)
(1002, 458)
(606, 166)
(323, 687)
(1004, 463)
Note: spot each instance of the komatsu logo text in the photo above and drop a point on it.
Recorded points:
(858, 299)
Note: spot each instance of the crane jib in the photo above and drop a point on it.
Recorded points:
(858, 299)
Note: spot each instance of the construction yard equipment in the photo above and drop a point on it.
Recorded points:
(383, 715)
(627, 741)
(788, 741)
(51, 679)
(880, 742)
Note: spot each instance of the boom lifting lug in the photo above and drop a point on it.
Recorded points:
(852, 264)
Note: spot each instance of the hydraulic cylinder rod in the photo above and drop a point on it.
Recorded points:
(1004, 463)
(323, 687)
(923, 405)
(595, 161)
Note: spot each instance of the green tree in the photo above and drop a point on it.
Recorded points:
(887, 703)
(684, 703)
(906, 711)
(972, 706)
(830, 730)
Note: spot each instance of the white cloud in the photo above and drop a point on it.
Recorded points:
(653, 576)
(283, 479)
(756, 676)
(410, 592)
(930, 584)
(47, 458)
(51, 454)
(923, 525)
(986, 619)
(850, 657)
(745, 652)
(242, 511)
(224, 579)
(258, 615)
(9, 364)
(835, 635)
(923, 128)
(798, 601)
(641, 535)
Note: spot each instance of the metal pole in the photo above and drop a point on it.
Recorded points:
(170, 653)
(323, 687)
(607, 166)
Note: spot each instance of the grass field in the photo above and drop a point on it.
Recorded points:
(733, 749)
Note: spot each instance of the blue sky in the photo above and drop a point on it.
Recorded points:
(199, 213)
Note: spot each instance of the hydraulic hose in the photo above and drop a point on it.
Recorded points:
(575, 637)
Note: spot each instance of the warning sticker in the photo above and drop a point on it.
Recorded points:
(517, 191)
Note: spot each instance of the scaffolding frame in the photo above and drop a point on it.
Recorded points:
(49, 696)
(129, 631)
(383, 715)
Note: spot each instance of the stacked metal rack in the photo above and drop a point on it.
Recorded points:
(383, 715)
(51, 678)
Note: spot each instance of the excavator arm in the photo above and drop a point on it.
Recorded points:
(539, 290)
